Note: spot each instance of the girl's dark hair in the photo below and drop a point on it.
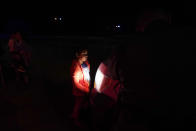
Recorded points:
(79, 51)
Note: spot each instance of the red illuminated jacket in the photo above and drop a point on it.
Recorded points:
(80, 84)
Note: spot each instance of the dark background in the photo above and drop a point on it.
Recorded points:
(159, 66)
(38, 18)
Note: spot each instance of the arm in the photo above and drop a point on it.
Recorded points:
(77, 76)
(11, 45)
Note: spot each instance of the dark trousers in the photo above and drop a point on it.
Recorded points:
(80, 103)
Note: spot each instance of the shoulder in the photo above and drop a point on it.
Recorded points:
(74, 62)
(74, 65)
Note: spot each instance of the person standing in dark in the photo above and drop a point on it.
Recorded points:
(80, 74)
(105, 96)
(2, 79)
(20, 56)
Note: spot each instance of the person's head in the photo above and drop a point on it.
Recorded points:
(82, 55)
(17, 36)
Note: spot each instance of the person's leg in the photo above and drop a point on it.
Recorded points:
(16, 64)
(102, 113)
(26, 77)
(26, 80)
(24, 72)
(77, 106)
(18, 76)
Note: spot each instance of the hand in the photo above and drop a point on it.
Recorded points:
(86, 90)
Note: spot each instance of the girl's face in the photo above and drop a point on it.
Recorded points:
(84, 56)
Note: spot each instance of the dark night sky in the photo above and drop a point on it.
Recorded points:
(38, 20)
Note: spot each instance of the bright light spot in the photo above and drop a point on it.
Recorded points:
(55, 18)
(98, 80)
(86, 73)
(117, 26)
(78, 76)
(60, 18)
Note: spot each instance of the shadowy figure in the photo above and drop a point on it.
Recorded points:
(105, 94)
(20, 57)
(2, 78)
(80, 70)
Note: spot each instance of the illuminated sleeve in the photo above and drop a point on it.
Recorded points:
(77, 77)
(99, 78)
